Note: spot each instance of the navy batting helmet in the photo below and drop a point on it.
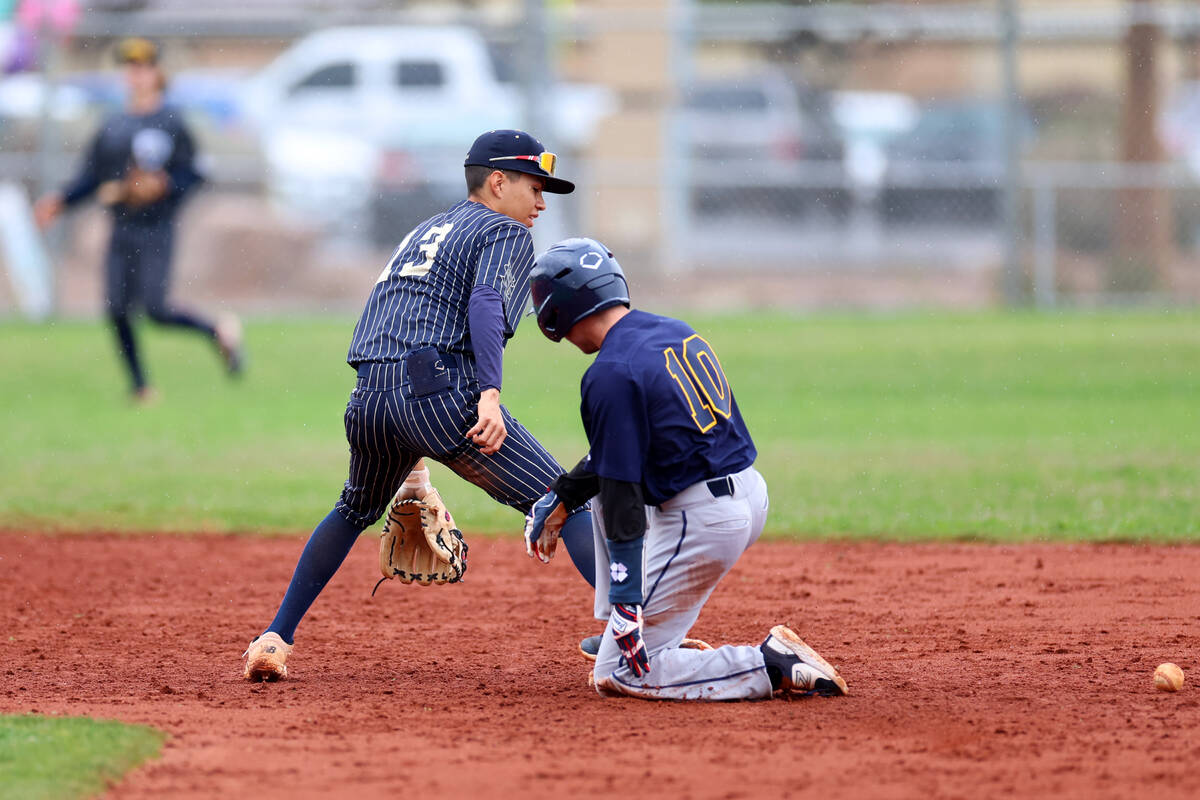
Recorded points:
(572, 280)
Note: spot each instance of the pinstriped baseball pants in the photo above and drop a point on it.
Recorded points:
(389, 429)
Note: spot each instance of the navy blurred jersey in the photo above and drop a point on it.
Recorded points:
(421, 296)
(153, 141)
(658, 409)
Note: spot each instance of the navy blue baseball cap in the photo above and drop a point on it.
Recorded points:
(519, 152)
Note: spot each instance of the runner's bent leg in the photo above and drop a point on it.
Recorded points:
(687, 552)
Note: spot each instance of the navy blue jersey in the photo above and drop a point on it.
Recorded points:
(153, 141)
(658, 409)
(421, 297)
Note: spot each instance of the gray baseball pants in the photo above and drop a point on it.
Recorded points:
(692, 540)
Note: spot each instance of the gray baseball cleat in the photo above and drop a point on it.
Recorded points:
(799, 668)
(590, 647)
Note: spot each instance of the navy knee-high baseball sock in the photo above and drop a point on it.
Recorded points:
(581, 545)
(129, 352)
(171, 317)
(327, 548)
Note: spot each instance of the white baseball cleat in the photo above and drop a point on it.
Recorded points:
(801, 668)
(266, 658)
(229, 342)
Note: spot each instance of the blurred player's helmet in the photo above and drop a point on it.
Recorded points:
(572, 280)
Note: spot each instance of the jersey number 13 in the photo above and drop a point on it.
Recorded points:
(699, 375)
(427, 250)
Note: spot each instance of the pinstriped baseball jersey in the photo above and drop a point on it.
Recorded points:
(421, 296)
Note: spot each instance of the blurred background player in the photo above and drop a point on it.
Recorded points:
(429, 349)
(140, 164)
(672, 465)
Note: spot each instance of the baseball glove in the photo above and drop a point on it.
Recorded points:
(138, 188)
(420, 544)
(144, 187)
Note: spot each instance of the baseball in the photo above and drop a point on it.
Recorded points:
(1168, 678)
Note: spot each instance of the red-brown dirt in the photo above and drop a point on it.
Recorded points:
(974, 671)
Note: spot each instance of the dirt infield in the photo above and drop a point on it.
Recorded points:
(974, 671)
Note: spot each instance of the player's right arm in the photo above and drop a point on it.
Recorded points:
(85, 182)
(90, 173)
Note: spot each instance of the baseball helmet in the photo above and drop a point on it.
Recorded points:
(572, 280)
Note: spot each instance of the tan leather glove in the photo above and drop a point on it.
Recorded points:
(420, 544)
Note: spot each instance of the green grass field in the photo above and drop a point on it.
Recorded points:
(66, 757)
(997, 426)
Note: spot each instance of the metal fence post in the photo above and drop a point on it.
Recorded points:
(1045, 244)
(537, 74)
(675, 168)
(1012, 153)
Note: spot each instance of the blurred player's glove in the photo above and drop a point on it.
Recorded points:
(420, 544)
(540, 542)
(626, 622)
(143, 187)
(138, 188)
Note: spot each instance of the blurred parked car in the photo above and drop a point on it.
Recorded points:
(23, 96)
(1179, 124)
(210, 99)
(949, 167)
(869, 122)
(407, 94)
(761, 144)
(213, 93)
(411, 185)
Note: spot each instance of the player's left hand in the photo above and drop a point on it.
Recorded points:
(543, 525)
(489, 432)
(626, 624)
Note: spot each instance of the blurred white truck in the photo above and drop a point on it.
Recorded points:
(371, 124)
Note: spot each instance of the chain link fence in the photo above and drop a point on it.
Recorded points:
(891, 154)
(819, 142)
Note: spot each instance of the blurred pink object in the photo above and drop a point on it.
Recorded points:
(60, 15)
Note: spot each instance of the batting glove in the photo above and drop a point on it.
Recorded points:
(626, 622)
(538, 542)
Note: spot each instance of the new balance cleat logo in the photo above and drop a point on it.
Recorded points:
(796, 667)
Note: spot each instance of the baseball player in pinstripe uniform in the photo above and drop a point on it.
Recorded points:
(671, 465)
(428, 351)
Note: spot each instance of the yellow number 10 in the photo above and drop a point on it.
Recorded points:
(703, 383)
